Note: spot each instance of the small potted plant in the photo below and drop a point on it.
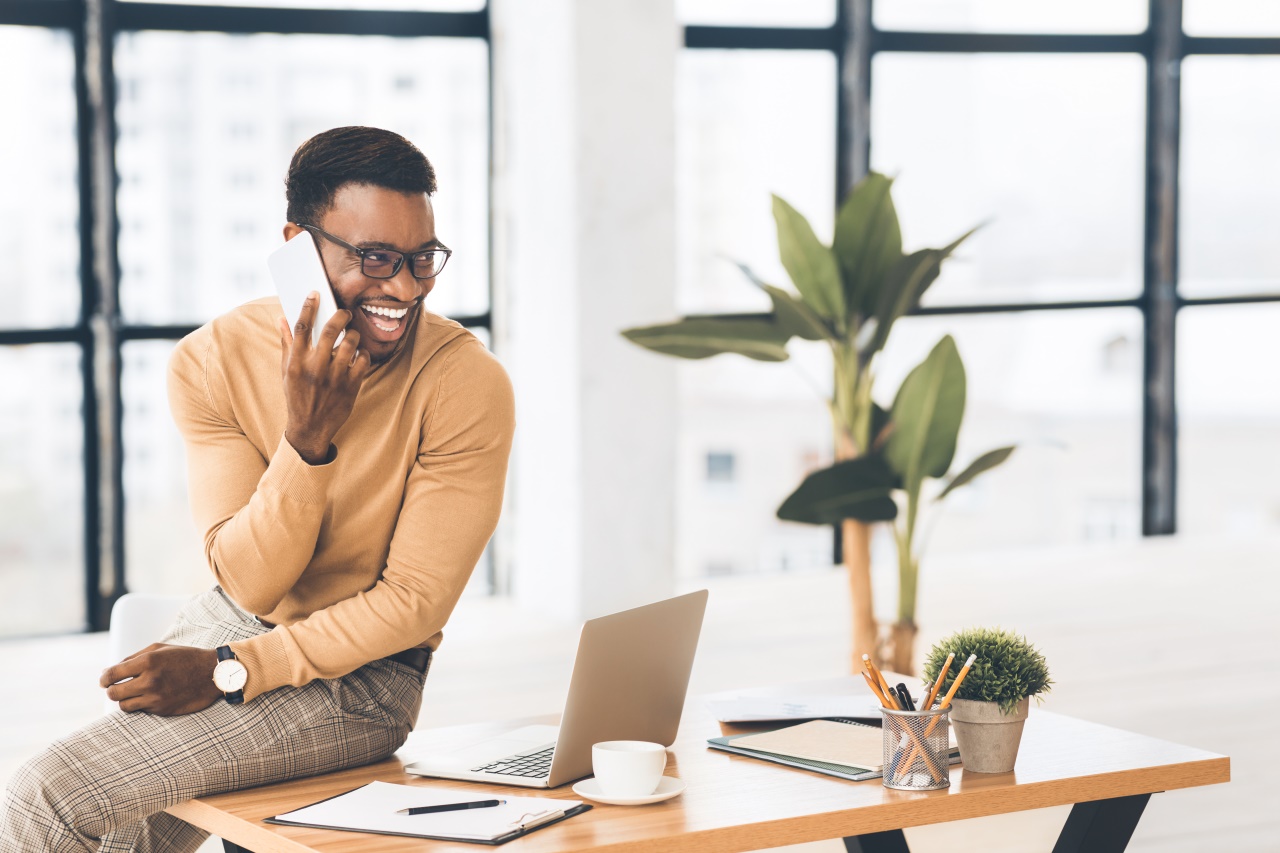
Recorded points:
(991, 706)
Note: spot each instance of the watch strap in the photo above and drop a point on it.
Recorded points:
(237, 697)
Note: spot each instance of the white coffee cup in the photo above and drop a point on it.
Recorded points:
(628, 768)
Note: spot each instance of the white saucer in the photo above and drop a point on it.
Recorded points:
(669, 787)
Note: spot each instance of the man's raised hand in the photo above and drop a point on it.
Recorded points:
(321, 382)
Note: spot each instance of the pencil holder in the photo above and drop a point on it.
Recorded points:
(916, 750)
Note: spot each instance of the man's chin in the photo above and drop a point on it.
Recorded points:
(380, 352)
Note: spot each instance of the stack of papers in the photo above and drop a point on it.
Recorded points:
(373, 808)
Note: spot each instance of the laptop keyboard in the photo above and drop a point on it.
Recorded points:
(532, 765)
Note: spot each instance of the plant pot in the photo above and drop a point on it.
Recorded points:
(988, 739)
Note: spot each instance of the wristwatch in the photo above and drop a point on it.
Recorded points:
(230, 676)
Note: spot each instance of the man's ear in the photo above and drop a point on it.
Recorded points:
(291, 230)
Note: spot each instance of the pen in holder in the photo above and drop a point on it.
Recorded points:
(916, 749)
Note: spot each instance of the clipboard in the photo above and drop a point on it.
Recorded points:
(371, 808)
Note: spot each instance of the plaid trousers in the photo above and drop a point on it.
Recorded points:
(105, 786)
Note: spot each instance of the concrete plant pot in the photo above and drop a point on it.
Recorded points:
(988, 739)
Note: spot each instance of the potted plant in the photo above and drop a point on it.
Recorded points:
(990, 708)
(849, 295)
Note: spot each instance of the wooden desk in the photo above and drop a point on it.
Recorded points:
(735, 803)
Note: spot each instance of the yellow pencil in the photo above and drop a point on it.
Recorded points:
(875, 689)
(955, 685)
(937, 685)
(879, 676)
(946, 701)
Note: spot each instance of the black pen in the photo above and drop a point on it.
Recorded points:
(452, 807)
(905, 695)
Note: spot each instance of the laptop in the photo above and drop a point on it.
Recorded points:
(629, 683)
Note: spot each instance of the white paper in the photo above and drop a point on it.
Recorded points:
(373, 809)
(750, 709)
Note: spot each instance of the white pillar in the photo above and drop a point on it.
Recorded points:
(584, 185)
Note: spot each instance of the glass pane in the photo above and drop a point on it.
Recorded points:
(394, 5)
(208, 123)
(39, 206)
(1228, 420)
(974, 139)
(42, 509)
(163, 551)
(748, 434)
(1012, 16)
(1231, 17)
(1066, 388)
(749, 123)
(1230, 178)
(758, 13)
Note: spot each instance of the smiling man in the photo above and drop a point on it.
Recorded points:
(345, 494)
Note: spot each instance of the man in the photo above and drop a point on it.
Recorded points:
(345, 494)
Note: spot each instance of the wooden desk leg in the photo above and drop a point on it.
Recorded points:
(892, 841)
(1103, 826)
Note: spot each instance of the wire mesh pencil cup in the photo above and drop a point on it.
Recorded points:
(916, 749)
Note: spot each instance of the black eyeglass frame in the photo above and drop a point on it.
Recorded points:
(400, 256)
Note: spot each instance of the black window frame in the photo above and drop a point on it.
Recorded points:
(855, 40)
(100, 331)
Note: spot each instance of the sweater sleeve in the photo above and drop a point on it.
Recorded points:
(260, 520)
(452, 500)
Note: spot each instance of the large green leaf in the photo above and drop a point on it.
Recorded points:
(793, 315)
(926, 416)
(903, 286)
(810, 264)
(868, 241)
(702, 337)
(858, 488)
(981, 465)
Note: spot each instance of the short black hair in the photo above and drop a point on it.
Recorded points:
(352, 155)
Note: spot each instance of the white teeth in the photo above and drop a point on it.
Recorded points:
(393, 313)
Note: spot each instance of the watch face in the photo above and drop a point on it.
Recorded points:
(230, 676)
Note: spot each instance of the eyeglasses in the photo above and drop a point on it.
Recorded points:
(385, 263)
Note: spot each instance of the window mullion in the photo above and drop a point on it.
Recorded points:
(1160, 271)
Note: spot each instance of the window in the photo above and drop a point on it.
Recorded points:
(720, 467)
(190, 158)
(1055, 124)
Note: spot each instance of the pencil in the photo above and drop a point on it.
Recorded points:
(890, 702)
(879, 676)
(875, 689)
(937, 685)
(955, 685)
(946, 701)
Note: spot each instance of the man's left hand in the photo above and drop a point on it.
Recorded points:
(164, 680)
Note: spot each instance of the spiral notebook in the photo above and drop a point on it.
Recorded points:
(845, 748)
(373, 808)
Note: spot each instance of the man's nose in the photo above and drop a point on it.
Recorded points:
(402, 286)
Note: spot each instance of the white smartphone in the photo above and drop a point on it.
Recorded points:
(297, 271)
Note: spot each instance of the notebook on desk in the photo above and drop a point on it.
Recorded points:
(847, 749)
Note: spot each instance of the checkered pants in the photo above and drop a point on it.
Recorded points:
(105, 787)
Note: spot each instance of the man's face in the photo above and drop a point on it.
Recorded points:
(373, 217)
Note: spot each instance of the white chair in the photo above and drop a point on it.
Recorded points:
(138, 620)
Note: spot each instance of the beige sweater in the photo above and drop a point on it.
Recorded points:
(364, 556)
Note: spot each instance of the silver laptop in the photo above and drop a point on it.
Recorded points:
(629, 683)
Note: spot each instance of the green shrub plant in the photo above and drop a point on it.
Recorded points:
(1007, 670)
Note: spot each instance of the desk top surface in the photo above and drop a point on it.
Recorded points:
(738, 803)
